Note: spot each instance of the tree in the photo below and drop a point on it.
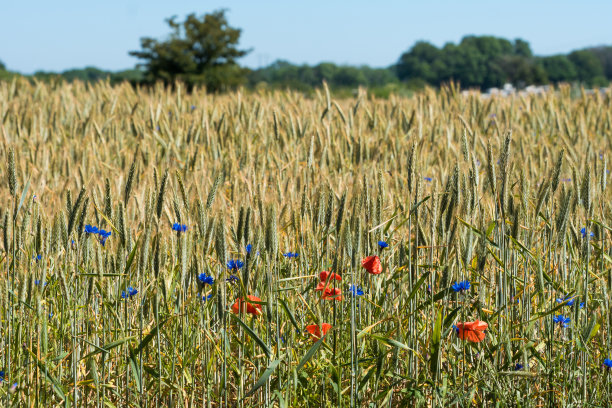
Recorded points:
(559, 68)
(199, 51)
(604, 54)
(588, 66)
(420, 62)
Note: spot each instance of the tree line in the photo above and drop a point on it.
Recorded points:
(203, 51)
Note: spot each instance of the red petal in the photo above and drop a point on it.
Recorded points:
(372, 264)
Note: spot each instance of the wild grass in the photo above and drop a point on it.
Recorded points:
(509, 194)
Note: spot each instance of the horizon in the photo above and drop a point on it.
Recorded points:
(77, 35)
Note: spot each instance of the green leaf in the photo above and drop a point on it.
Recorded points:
(109, 346)
(436, 336)
(590, 330)
(390, 341)
(450, 317)
(289, 314)
(147, 339)
(131, 257)
(417, 285)
(57, 386)
(264, 377)
(252, 334)
(23, 196)
(311, 352)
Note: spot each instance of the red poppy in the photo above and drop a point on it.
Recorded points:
(323, 276)
(251, 308)
(315, 331)
(331, 293)
(472, 331)
(372, 264)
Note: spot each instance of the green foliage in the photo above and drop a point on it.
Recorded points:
(604, 54)
(199, 51)
(282, 74)
(559, 68)
(477, 61)
(588, 66)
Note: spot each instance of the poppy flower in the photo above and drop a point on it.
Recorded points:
(330, 293)
(315, 330)
(323, 276)
(471, 331)
(251, 308)
(372, 264)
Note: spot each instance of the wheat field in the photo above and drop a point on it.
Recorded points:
(137, 223)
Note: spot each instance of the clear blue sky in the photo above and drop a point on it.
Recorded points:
(62, 34)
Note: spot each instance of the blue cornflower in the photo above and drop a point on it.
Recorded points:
(607, 363)
(206, 279)
(2, 375)
(50, 315)
(234, 264)
(72, 244)
(356, 291)
(130, 292)
(382, 244)
(583, 232)
(566, 180)
(456, 329)
(104, 236)
(37, 257)
(561, 320)
(90, 229)
(205, 298)
(461, 286)
(571, 301)
(233, 279)
(249, 248)
(427, 178)
(179, 227)
(37, 282)
(193, 107)
(291, 255)
(518, 367)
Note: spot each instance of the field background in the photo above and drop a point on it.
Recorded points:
(494, 191)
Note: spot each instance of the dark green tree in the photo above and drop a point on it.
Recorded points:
(604, 54)
(588, 67)
(199, 51)
(421, 61)
(559, 68)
